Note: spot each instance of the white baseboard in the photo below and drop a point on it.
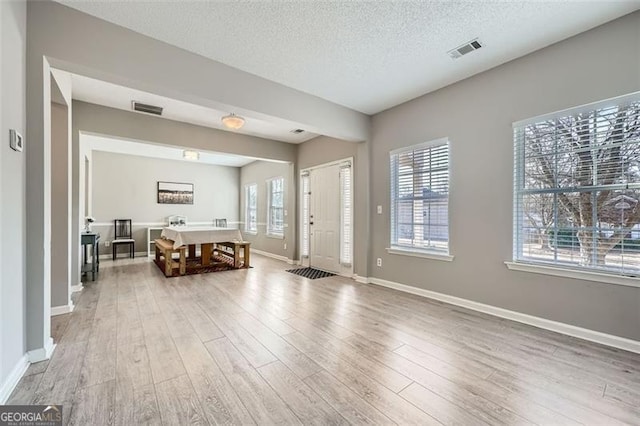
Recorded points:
(559, 327)
(273, 256)
(9, 384)
(109, 256)
(61, 310)
(41, 354)
(76, 288)
(358, 278)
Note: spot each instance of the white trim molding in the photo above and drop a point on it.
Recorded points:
(76, 288)
(12, 380)
(61, 310)
(273, 256)
(41, 354)
(423, 254)
(558, 327)
(359, 279)
(109, 256)
(574, 273)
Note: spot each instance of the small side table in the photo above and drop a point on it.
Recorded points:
(90, 239)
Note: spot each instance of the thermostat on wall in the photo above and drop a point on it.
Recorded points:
(15, 140)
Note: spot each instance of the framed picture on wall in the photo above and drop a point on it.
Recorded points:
(175, 193)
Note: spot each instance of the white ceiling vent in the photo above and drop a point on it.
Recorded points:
(465, 48)
(297, 131)
(149, 109)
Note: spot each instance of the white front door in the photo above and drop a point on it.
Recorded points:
(324, 218)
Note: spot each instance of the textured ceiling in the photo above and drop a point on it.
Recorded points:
(368, 56)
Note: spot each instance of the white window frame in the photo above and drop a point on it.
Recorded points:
(249, 226)
(346, 214)
(273, 230)
(524, 263)
(413, 249)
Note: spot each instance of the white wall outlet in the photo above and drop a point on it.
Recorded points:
(107, 243)
(285, 212)
(379, 209)
(379, 262)
(285, 246)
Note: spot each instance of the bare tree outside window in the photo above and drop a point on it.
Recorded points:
(578, 189)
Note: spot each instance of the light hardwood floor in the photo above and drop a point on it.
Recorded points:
(263, 346)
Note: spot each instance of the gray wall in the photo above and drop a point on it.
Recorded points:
(322, 150)
(476, 115)
(13, 16)
(258, 172)
(125, 187)
(59, 204)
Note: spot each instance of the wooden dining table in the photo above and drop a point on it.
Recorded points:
(204, 236)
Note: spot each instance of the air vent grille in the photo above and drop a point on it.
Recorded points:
(465, 48)
(149, 109)
(297, 131)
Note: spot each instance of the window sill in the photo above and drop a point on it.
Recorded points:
(275, 236)
(572, 273)
(423, 254)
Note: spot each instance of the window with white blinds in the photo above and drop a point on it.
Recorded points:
(275, 211)
(345, 214)
(304, 184)
(251, 208)
(420, 197)
(577, 188)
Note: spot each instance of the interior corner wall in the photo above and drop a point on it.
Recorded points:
(259, 172)
(322, 150)
(125, 187)
(477, 115)
(13, 21)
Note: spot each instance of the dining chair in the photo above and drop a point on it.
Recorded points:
(123, 236)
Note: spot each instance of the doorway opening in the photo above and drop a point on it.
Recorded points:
(326, 225)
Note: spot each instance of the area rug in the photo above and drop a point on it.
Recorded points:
(193, 267)
(310, 273)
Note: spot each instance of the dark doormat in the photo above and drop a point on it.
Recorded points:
(310, 273)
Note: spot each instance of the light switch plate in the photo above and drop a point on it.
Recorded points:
(379, 209)
(15, 140)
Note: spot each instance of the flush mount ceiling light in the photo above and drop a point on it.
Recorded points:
(191, 155)
(233, 121)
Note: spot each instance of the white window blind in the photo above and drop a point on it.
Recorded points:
(346, 219)
(304, 184)
(577, 188)
(251, 208)
(420, 197)
(275, 218)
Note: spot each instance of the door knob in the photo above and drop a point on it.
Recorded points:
(310, 223)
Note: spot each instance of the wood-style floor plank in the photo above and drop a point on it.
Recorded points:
(25, 391)
(305, 403)
(179, 403)
(346, 402)
(219, 400)
(263, 403)
(263, 346)
(94, 405)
